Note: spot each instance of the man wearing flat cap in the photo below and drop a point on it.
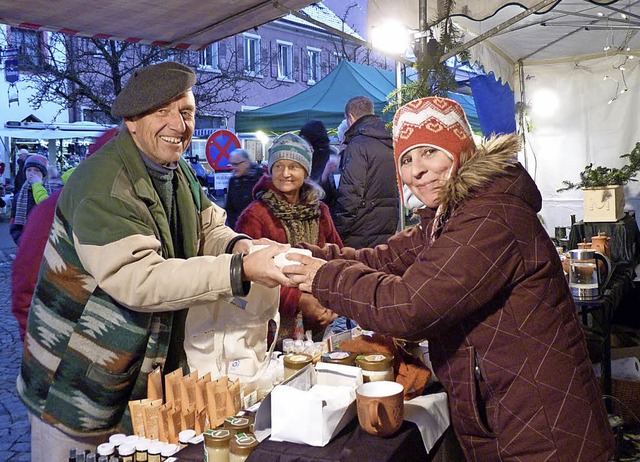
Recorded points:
(134, 243)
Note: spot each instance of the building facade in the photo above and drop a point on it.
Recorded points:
(261, 66)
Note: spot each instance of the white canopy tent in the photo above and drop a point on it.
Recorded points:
(581, 56)
(555, 45)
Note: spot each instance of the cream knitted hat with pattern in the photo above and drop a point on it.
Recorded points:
(292, 147)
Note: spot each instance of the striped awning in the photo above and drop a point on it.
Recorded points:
(181, 24)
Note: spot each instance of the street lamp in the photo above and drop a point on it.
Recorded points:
(392, 37)
(264, 140)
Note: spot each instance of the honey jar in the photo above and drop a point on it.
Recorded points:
(376, 366)
(294, 362)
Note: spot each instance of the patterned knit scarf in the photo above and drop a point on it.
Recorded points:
(300, 221)
(22, 201)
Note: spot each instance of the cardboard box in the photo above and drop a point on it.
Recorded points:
(603, 204)
(313, 410)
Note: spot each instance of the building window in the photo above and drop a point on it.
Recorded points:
(208, 59)
(313, 65)
(285, 61)
(252, 54)
(29, 44)
(211, 121)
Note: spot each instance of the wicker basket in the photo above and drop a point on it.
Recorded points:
(626, 402)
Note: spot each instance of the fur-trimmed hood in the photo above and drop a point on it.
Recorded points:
(493, 169)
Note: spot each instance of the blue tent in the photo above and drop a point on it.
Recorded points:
(326, 100)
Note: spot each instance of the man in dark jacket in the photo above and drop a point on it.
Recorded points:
(366, 211)
(245, 176)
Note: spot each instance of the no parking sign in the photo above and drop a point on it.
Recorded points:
(220, 144)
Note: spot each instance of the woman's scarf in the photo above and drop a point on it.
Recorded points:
(22, 201)
(301, 222)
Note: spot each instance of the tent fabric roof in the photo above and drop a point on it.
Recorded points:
(184, 24)
(562, 30)
(326, 100)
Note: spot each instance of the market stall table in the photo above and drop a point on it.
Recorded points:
(354, 444)
(351, 444)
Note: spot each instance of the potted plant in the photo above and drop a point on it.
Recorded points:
(603, 187)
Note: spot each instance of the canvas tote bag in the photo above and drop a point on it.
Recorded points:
(229, 336)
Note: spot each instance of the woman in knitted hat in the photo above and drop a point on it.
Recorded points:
(287, 209)
(479, 278)
(33, 191)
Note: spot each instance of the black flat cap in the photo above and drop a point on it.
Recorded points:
(152, 86)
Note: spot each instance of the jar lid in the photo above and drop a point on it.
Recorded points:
(217, 438)
(126, 449)
(375, 361)
(117, 439)
(106, 449)
(131, 439)
(339, 357)
(185, 435)
(142, 444)
(155, 447)
(297, 360)
(169, 449)
(242, 444)
(239, 422)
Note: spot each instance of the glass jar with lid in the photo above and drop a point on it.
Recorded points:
(184, 436)
(294, 362)
(239, 423)
(154, 450)
(126, 452)
(241, 446)
(376, 366)
(216, 445)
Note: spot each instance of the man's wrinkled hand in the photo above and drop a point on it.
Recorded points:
(258, 266)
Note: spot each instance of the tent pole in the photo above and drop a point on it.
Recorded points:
(521, 116)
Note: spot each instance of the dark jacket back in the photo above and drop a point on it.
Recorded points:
(366, 210)
(240, 193)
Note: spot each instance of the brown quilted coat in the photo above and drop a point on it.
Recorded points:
(490, 296)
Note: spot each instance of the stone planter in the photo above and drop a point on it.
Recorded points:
(603, 204)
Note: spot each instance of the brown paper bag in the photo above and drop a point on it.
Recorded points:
(201, 392)
(151, 417)
(154, 384)
(172, 385)
(137, 415)
(234, 400)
